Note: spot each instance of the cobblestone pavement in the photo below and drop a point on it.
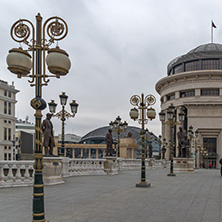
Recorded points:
(188, 197)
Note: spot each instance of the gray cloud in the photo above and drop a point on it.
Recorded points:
(118, 48)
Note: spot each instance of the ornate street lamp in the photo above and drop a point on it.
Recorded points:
(141, 112)
(63, 114)
(171, 122)
(118, 127)
(20, 62)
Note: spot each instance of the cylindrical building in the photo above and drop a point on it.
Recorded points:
(194, 84)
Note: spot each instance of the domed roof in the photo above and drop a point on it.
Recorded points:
(209, 47)
(100, 134)
(209, 51)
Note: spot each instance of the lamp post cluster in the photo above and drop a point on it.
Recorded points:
(172, 122)
(20, 62)
(62, 115)
(118, 127)
(204, 153)
(142, 113)
(193, 137)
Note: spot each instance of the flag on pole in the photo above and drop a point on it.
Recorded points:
(213, 25)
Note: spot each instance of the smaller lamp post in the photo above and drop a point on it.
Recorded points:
(145, 113)
(63, 114)
(118, 127)
(171, 116)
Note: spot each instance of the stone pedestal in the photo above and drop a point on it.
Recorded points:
(52, 170)
(183, 165)
(110, 165)
(128, 147)
(164, 163)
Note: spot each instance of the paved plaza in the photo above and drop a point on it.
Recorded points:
(188, 197)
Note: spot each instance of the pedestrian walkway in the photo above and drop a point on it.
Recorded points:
(188, 197)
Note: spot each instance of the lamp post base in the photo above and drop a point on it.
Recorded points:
(143, 185)
(171, 174)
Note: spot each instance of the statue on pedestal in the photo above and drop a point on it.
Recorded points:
(180, 135)
(109, 143)
(47, 129)
(183, 143)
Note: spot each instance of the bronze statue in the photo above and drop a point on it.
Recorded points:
(180, 135)
(109, 143)
(163, 152)
(185, 146)
(47, 129)
(150, 150)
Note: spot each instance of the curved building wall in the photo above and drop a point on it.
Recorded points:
(199, 93)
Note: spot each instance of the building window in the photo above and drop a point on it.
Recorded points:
(211, 145)
(193, 65)
(178, 69)
(5, 156)
(5, 121)
(9, 109)
(5, 133)
(209, 92)
(5, 147)
(5, 107)
(9, 134)
(5, 92)
(210, 64)
(9, 122)
(170, 97)
(9, 147)
(9, 156)
(9, 94)
(187, 93)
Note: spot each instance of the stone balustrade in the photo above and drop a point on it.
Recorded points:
(16, 173)
(20, 173)
(86, 167)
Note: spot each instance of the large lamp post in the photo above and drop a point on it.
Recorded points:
(118, 127)
(63, 114)
(139, 113)
(171, 116)
(20, 62)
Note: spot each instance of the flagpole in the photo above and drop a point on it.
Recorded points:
(211, 31)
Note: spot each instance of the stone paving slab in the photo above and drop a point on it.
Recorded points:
(188, 197)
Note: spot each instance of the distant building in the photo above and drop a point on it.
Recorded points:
(7, 120)
(24, 136)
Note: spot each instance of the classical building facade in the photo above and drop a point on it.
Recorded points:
(7, 120)
(194, 84)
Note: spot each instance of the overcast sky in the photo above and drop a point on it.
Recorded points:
(118, 48)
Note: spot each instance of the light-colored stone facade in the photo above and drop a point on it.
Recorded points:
(204, 113)
(199, 93)
(7, 120)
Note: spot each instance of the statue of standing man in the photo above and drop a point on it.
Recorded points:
(181, 136)
(47, 129)
(109, 143)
